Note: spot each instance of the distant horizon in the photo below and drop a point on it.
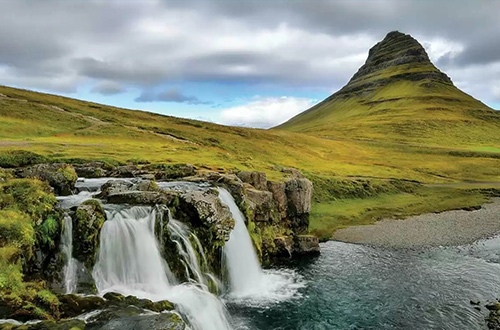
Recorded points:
(213, 61)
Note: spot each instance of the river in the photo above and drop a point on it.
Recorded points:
(358, 287)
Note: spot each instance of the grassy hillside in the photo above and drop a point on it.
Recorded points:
(345, 171)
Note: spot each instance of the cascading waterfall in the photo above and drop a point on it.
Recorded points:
(71, 265)
(245, 274)
(248, 282)
(130, 263)
(180, 234)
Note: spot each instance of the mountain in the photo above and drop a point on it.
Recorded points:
(398, 95)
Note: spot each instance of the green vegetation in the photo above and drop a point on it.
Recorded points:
(28, 223)
(18, 158)
(89, 220)
(326, 217)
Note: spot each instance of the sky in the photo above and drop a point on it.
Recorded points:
(246, 63)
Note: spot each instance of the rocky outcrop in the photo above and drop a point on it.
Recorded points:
(299, 194)
(73, 305)
(206, 209)
(306, 244)
(279, 211)
(257, 179)
(87, 223)
(141, 193)
(117, 311)
(279, 196)
(260, 204)
(61, 177)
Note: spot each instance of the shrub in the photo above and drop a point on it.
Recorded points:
(18, 158)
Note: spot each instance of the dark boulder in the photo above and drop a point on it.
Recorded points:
(73, 305)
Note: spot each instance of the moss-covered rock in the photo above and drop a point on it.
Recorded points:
(73, 305)
(119, 320)
(31, 222)
(18, 158)
(260, 203)
(209, 220)
(117, 299)
(61, 177)
(87, 223)
(47, 325)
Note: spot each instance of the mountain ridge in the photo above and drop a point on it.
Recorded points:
(399, 95)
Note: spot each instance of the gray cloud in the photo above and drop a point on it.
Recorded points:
(170, 95)
(60, 45)
(108, 88)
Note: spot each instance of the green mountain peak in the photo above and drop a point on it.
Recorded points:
(398, 95)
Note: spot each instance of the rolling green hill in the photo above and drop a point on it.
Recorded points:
(398, 120)
(398, 95)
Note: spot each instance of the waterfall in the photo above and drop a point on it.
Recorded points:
(130, 263)
(180, 234)
(71, 265)
(250, 284)
(245, 274)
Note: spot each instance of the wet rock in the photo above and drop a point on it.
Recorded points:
(257, 179)
(166, 321)
(113, 187)
(47, 325)
(114, 297)
(61, 177)
(142, 198)
(283, 248)
(93, 170)
(493, 318)
(87, 223)
(493, 306)
(144, 192)
(73, 305)
(209, 211)
(117, 299)
(306, 245)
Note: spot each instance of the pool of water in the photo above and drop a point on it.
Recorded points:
(358, 287)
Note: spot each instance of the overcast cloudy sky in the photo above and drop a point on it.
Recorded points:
(251, 63)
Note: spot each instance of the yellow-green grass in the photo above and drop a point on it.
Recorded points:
(329, 216)
(62, 128)
(427, 111)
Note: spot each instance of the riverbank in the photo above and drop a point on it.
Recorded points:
(427, 230)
